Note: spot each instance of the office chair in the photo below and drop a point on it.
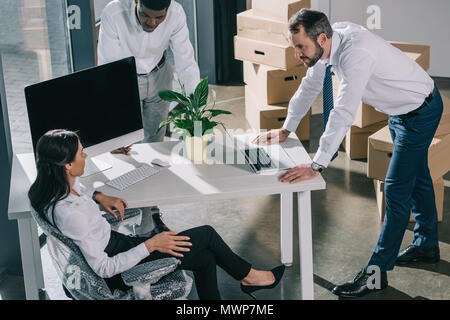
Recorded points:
(155, 280)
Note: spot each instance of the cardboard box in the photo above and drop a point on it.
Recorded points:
(417, 52)
(367, 116)
(355, 141)
(444, 124)
(438, 186)
(261, 52)
(380, 147)
(259, 28)
(273, 85)
(261, 116)
(281, 10)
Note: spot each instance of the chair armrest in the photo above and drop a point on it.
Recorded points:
(129, 216)
(143, 276)
(150, 272)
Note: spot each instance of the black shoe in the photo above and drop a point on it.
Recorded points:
(358, 287)
(277, 273)
(413, 254)
(159, 225)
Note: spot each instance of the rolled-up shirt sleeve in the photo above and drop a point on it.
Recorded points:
(183, 52)
(357, 67)
(304, 97)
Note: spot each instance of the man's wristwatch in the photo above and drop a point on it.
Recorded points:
(316, 167)
(94, 195)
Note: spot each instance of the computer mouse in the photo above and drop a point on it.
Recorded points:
(160, 162)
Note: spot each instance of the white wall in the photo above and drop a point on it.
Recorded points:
(414, 21)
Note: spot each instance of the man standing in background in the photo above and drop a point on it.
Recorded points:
(145, 29)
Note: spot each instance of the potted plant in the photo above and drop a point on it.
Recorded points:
(194, 118)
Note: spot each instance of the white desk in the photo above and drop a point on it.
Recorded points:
(179, 183)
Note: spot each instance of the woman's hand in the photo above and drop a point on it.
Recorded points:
(110, 203)
(168, 242)
(299, 173)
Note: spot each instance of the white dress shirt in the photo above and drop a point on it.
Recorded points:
(121, 36)
(369, 70)
(80, 219)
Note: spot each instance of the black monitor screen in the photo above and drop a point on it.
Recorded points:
(100, 103)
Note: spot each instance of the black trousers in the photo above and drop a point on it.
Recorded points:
(208, 250)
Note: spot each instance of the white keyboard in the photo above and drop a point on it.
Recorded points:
(132, 177)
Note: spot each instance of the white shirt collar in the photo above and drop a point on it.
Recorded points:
(134, 17)
(335, 43)
(77, 187)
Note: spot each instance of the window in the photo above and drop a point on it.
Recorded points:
(33, 47)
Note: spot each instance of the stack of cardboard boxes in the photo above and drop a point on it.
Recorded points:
(272, 74)
(368, 120)
(380, 148)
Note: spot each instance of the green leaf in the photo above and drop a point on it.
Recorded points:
(216, 112)
(193, 103)
(178, 113)
(187, 125)
(169, 95)
(207, 125)
(163, 123)
(201, 93)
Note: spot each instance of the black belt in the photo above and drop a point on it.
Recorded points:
(158, 66)
(425, 103)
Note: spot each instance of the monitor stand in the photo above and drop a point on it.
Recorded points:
(94, 166)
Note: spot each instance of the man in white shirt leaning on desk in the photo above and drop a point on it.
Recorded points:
(145, 29)
(371, 70)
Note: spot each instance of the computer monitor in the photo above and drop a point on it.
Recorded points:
(101, 103)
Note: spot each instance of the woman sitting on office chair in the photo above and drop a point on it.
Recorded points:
(60, 199)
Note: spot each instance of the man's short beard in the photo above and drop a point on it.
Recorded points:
(319, 54)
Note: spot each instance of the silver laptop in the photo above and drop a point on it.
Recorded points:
(263, 158)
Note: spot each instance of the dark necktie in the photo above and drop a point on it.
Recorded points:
(328, 99)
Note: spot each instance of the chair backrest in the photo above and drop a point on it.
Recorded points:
(73, 270)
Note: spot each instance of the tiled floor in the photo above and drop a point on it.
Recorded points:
(345, 229)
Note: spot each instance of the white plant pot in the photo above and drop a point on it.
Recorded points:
(196, 148)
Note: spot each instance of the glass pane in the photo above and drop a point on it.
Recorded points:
(33, 48)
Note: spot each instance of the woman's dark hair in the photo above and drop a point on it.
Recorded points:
(314, 22)
(53, 150)
(156, 5)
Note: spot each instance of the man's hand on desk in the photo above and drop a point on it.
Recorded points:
(273, 136)
(110, 203)
(123, 150)
(299, 173)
